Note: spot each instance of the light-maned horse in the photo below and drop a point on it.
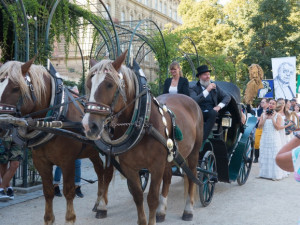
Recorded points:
(102, 83)
(61, 151)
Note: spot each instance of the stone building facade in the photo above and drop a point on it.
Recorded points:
(162, 12)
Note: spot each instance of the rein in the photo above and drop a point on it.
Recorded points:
(53, 107)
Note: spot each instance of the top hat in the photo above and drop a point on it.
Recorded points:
(202, 69)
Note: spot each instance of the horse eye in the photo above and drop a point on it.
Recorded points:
(109, 85)
(2, 79)
(15, 89)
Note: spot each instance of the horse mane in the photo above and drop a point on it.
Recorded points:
(12, 70)
(106, 65)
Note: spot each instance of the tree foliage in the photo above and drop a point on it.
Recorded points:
(272, 30)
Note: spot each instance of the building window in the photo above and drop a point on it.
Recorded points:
(108, 9)
(122, 16)
(147, 2)
(156, 4)
(165, 9)
(160, 6)
(175, 16)
(131, 19)
(170, 12)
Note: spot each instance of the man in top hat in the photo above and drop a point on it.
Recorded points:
(209, 97)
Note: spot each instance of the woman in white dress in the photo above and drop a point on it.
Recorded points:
(270, 143)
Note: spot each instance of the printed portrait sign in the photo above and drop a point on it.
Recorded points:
(284, 75)
(267, 91)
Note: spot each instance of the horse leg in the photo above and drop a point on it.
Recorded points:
(68, 171)
(162, 207)
(104, 178)
(135, 189)
(153, 195)
(189, 206)
(44, 167)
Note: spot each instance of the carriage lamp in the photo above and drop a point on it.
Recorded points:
(226, 121)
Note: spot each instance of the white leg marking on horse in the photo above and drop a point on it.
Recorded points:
(96, 81)
(102, 205)
(188, 206)
(103, 158)
(3, 86)
(162, 207)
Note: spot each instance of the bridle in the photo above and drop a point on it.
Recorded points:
(16, 109)
(106, 110)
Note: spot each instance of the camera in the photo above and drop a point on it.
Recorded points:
(269, 111)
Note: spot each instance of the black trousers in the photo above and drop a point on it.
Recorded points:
(209, 122)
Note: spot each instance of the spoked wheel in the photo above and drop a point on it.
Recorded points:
(144, 177)
(246, 162)
(206, 191)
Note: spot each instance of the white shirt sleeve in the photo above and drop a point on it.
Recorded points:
(221, 105)
(205, 93)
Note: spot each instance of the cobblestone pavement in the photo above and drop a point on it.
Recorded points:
(258, 202)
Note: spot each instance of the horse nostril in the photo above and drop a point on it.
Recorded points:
(94, 127)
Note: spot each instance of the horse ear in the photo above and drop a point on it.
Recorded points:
(93, 62)
(118, 62)
(26, 66)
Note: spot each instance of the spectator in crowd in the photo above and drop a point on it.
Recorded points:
(293, 103)
(270, 143)
(288, 105)
(297, 110)
(210, 98)
(57, 178)
(288, 158)
(10, 156)
(264, 104)
(177, 84)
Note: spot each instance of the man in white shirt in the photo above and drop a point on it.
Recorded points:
(210, 98)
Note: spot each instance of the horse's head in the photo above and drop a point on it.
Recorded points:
(109, 86)
(18, 83)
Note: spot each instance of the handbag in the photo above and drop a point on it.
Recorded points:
(291, 128)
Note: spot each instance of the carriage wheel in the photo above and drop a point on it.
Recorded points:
(206, 191)
(144, 177)
(246, 162)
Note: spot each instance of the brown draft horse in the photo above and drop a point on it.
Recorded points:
(59, 150)
(102, 83)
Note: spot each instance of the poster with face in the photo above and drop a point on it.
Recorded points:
(267, 91)
(284, 74)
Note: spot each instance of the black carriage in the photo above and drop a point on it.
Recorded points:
(229, 149)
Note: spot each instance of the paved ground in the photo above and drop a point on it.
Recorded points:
(258, 202)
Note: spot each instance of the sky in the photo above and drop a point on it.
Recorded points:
(223, 2)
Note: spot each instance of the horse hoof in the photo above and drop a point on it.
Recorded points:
(160, 218)
(187, 217)
(101, 214)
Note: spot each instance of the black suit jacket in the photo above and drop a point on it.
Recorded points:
(217, 95)
(182, 87)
